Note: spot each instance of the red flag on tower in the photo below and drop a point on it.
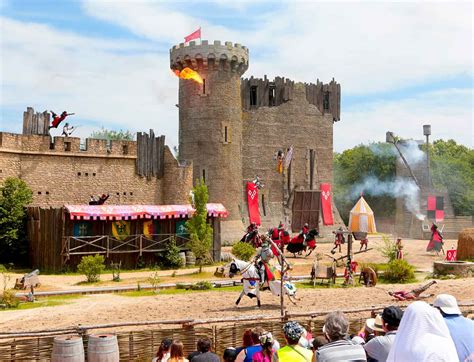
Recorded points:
(194, 35)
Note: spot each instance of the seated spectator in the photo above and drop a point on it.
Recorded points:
(293, 352)
(230, 354)
(461, 329)
(339, 348)
(376, 325)
(315, 344)
(177, 352)
(422, 336)
(246, 340)
(205, 355)
(163, 353)
(246, 354)
(267, 352)
(377, 348)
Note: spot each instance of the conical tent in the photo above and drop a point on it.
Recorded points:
(361, 218)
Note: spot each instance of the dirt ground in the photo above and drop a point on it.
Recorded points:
(104, 308)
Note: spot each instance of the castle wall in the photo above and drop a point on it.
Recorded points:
(269, 129)
(61, 173)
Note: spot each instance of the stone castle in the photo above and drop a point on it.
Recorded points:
(230, 130)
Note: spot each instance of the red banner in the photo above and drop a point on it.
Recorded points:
(194, 35)
(252, 201)
(326, 204)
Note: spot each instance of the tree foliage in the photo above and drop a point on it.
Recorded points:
(452, 168)
(200, 231)
(352, 166)
(14, 196)
(112, 135)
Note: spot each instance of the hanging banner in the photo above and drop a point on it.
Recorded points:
(120, 229)
(451, 254)
(326, 204)
(82, 228)
(252, 202)
(435, 209)
(151, 227)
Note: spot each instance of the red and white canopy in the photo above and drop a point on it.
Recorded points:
(132, 212)
(362, 218)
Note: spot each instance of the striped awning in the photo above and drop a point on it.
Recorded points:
(133, 212)
(362, 218)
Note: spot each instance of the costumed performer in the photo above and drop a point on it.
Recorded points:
(58, 119)
(399, 247)
(412, 294)
(338, 240)
(436, 240)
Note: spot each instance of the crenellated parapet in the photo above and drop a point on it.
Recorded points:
(327, 97)
(206, 56)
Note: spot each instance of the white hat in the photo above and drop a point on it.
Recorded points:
(374, 324)
(447, 303)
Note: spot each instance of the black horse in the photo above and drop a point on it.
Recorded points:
(300, 244)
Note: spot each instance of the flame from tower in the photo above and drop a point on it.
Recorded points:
(188, 73)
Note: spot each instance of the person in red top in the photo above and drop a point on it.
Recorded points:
(364, 241)
(436, 241)
(58, 119)
(338, 241)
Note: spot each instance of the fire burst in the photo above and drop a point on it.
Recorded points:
(188, 73)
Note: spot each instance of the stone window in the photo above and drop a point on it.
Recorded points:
(271, 95)
(93, 174)
(264, 208)
(326, 101)
(203, 86)
(131, 193)
(67, 146)
(124, 193)
(226, 133)
(204, 175)
(118, 193)
(253, 95)
(124, 150)
(78, 174)
(312, 170)
(39, 192)
(87, 174)
(47, 192)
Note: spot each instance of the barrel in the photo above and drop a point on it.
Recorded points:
(190, 258)
(68, 349)
(102, 348)
(182, 256)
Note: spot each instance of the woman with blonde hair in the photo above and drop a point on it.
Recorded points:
(177, 352)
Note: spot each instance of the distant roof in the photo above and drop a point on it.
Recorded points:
(132, 212)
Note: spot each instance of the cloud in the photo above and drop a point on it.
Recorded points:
(448, 111)
(366, 46)
(118, 84)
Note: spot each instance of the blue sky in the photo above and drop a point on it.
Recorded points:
(400, 65)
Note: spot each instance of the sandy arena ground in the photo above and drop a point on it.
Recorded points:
(104, 308)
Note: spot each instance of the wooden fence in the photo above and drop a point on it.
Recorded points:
(108, 245)
(150, 155)
(35, 123)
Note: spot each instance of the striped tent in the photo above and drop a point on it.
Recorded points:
(362, 218)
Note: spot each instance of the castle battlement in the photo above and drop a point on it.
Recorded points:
(205, 56)
(67, 146)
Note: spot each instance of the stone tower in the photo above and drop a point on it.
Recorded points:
(210, 121)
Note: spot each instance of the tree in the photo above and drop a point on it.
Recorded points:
(111, 135)
(200, 231)
(14, 196)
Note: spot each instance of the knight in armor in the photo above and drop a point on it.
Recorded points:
(338, 240)
(250, 232)
(264, 255)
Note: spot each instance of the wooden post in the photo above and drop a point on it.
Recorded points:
(141, 244)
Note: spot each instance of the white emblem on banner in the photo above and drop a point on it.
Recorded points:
(252, 193)
(326, 194)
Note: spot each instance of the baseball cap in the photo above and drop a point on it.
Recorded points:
(392, 315)
(447, 303)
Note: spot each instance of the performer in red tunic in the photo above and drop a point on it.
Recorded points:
(364, 241)
(58, 119)
(436, 240)
(338, 240)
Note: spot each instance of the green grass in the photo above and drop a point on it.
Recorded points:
(139, 293)
(46, 302)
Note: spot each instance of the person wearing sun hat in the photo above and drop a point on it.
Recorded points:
(292, 352)
(461, 329)
(378, 348)
(339, 347)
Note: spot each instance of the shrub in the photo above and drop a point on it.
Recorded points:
(388, 249)
(154, 279)
(172, 257)
(180, 286)
(399, 271)
(243, 251)
(91, 267)
(9, 299)
(203, 285)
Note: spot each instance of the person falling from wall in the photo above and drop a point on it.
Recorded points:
(413, 294)
(67, 130)
(101, 199)
(338, 240)
(58, 119)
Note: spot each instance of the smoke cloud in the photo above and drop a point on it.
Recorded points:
(397, 188)
(409, 148)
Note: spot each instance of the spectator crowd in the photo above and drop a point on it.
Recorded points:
(421, 333)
